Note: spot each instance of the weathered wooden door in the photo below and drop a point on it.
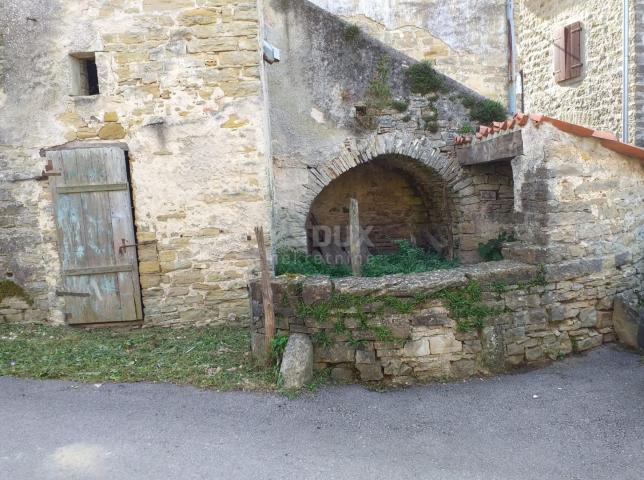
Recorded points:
(93, 211)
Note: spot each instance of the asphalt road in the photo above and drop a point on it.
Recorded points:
(582, 418)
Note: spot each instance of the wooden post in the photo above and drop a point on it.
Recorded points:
(354, 238)
(267, 294)
(450, 223)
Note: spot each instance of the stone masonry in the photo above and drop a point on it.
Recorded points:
(537, 316)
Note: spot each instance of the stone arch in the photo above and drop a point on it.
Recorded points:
(417, 156)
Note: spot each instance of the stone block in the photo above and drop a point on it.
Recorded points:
(370, 372)
(336, 353)
(588, 318)
(587, 343)
(416, 348)
(343, 374)
(296, 369)
(316, 289)
(534, 354)
(365, 356)
(628, 320)
(440, 344)
(463, 368)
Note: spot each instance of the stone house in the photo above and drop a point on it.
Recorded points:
(141, 141)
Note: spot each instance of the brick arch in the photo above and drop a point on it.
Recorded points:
(420, 154)
(352, 154)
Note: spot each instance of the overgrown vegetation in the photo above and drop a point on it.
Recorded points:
(490, 251)
(424, 79)
(10, 289)
(484, 111)
(351, 33)
(466, 128)
(407, 259)
(297, 262)
(465, 306)
(205, 357)
(278, 345)
(399, 106)
(379, 91)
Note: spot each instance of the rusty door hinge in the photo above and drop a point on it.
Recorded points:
(49, 170)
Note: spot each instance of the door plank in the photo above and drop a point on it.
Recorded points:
(123, 228)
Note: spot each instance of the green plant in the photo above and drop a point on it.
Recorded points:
(278, 345)
(466, 128)
(294, 261)
(399, 106)
(407, 259)
(321, 339)
(406, 118)
(383, 334)
(424, 79)
(490, 251)
(356, 342)
(378, 91)
(431, 125)
(11, 289)
(484, 111)
(351, 33)
(340, 327)
(499, 288)
(319, 311)
(464, 305)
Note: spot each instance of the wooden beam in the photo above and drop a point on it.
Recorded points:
(503, 147)
(72, 272)
(354, 238)
(111, 187)
(267, 294)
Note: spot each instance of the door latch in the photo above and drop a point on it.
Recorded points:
(124, 245)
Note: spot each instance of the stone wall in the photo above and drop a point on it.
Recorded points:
(403, 329)
(594, 99)
(180, 85)
(467, 40)
(637, 72)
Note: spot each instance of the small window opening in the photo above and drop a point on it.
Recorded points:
(84, 74)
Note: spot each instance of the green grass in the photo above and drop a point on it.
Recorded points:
(407, 259)
(216, 358)
(296, 262)
(484, 111)
(490, 251)
(351, 33)
(466, 307)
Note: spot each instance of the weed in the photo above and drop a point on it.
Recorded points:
(406, 118)
(466, 128)
(290, 261)
(424, 79)
(484, 111)
(340, 327)
(205, 357)
(351, 33)
(321, 339)
(383, 334)
(490, 251)
(378, 91)
(431, 125)
(407, 259)
(399, 106)
(319, 311)
(278, 345)
(464, 304)
(356, 342)
(320, 378)
(499, 288)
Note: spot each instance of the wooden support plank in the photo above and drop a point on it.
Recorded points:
(354, 238)
(74, 272)
(267, 294)
(113, 187)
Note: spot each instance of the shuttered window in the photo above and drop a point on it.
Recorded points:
(568, 62)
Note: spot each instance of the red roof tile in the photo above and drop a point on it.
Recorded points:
(608, 139)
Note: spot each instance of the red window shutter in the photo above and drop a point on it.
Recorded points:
(573, 49)
(560, 54)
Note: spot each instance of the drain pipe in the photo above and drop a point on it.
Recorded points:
(626, 49)
(512, 89)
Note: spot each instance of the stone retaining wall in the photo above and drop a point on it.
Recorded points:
(407, 328)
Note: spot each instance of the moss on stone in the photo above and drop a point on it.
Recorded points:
(10, 289)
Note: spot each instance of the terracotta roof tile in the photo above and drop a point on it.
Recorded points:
(608, 139)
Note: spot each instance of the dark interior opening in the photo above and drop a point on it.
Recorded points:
(92, 76)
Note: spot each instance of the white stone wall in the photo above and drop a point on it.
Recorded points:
(466, 39)
(180, 84)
